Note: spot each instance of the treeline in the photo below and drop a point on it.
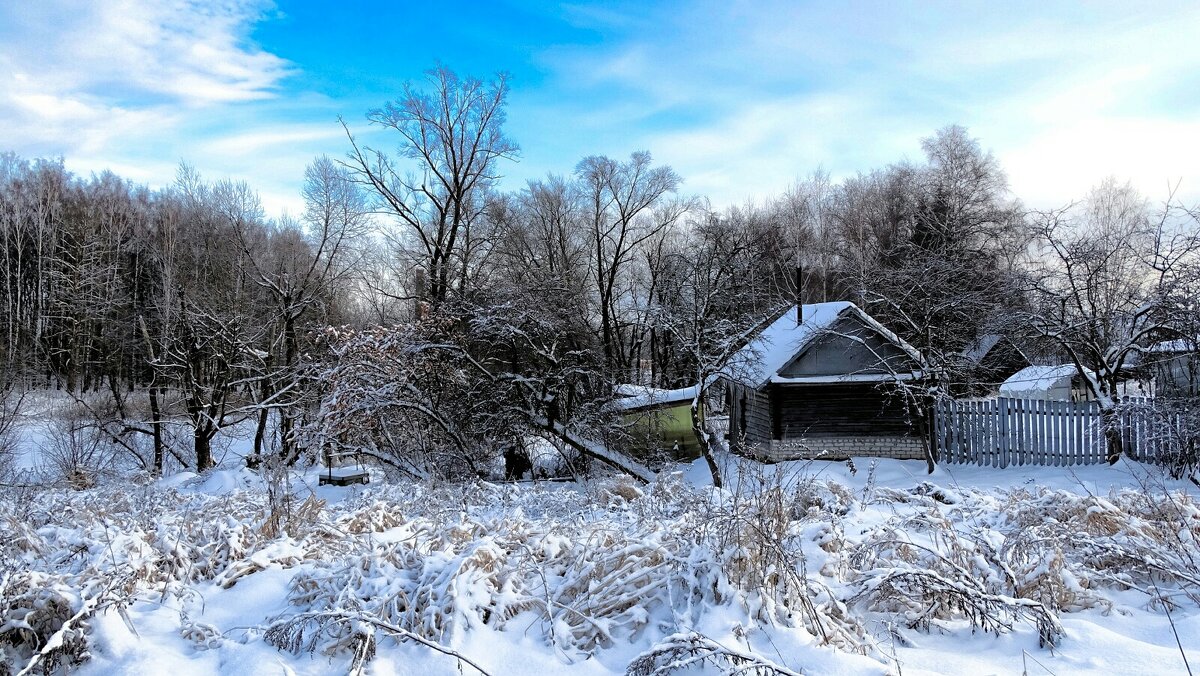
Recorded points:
(469, 319)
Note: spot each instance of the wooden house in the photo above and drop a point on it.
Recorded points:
(825, 380)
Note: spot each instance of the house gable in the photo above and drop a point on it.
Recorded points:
(849, 347)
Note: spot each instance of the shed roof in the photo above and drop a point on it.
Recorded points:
(634, 397)
(1039, 378)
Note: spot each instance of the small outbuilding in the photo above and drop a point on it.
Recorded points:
(1058, 382)
(659, 420)
(825, 380)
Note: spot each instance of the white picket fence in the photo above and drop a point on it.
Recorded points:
(1002, 432)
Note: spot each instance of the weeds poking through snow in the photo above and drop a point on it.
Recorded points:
(354, 632)
(922, 597)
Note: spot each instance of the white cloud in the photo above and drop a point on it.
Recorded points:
(182, 51)
(135, 86)
(741, 98)
(1063, 95)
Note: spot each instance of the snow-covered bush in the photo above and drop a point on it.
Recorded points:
(1169, 427)
(397, 395)
(1068, 546)
(42, 615)
(78, 451)
(10, 411)
(684, 651)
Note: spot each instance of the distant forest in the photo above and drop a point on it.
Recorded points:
(418, 314)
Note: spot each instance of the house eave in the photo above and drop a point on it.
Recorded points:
(845, 378)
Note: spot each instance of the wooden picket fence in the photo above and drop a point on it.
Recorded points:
(1002, 432)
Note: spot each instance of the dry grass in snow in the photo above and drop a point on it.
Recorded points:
(629, 576)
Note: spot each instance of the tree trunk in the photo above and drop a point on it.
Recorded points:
(1113, 442)
(203, 445)
(260, 435)
(925, 429)
(156, 428)
(705, 439)
(287, 421)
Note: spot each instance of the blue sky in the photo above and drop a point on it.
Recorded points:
(742, 98)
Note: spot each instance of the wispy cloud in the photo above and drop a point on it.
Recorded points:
(181, 51)
(740, 97)
(762, 93)
(122, 84)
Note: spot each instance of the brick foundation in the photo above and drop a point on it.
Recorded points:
(839, 448)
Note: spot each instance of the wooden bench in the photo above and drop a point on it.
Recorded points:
(344, 477)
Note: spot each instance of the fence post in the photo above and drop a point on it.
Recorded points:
(1002, 421)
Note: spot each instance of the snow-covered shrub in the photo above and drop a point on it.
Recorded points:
(756, 532)
(922, 568)
(1139, 540)
(10, 411)
(686, 651)
(591, 588)
(401, 396)
(589, 568)
(44, 619)
(204, 636)
(78, 451)
(1170, 432)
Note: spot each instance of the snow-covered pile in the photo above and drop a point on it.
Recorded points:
(803, 569)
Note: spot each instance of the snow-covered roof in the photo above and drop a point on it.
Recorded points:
(1039, 378)
(1174, 346)
(638, 396)
(978, 349)
(847, 378)
(783, 339)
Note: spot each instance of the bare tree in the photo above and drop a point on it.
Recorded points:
(625, 205)
(453, 140)
(1102, 288)
(931, 250)
(707, 308)
(204, 341)
(300, 268)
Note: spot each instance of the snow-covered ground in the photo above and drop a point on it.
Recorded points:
(817, 568)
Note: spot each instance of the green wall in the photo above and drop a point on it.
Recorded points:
(658, 429)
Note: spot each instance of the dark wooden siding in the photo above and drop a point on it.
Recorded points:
(749, 414)
(838, 409)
